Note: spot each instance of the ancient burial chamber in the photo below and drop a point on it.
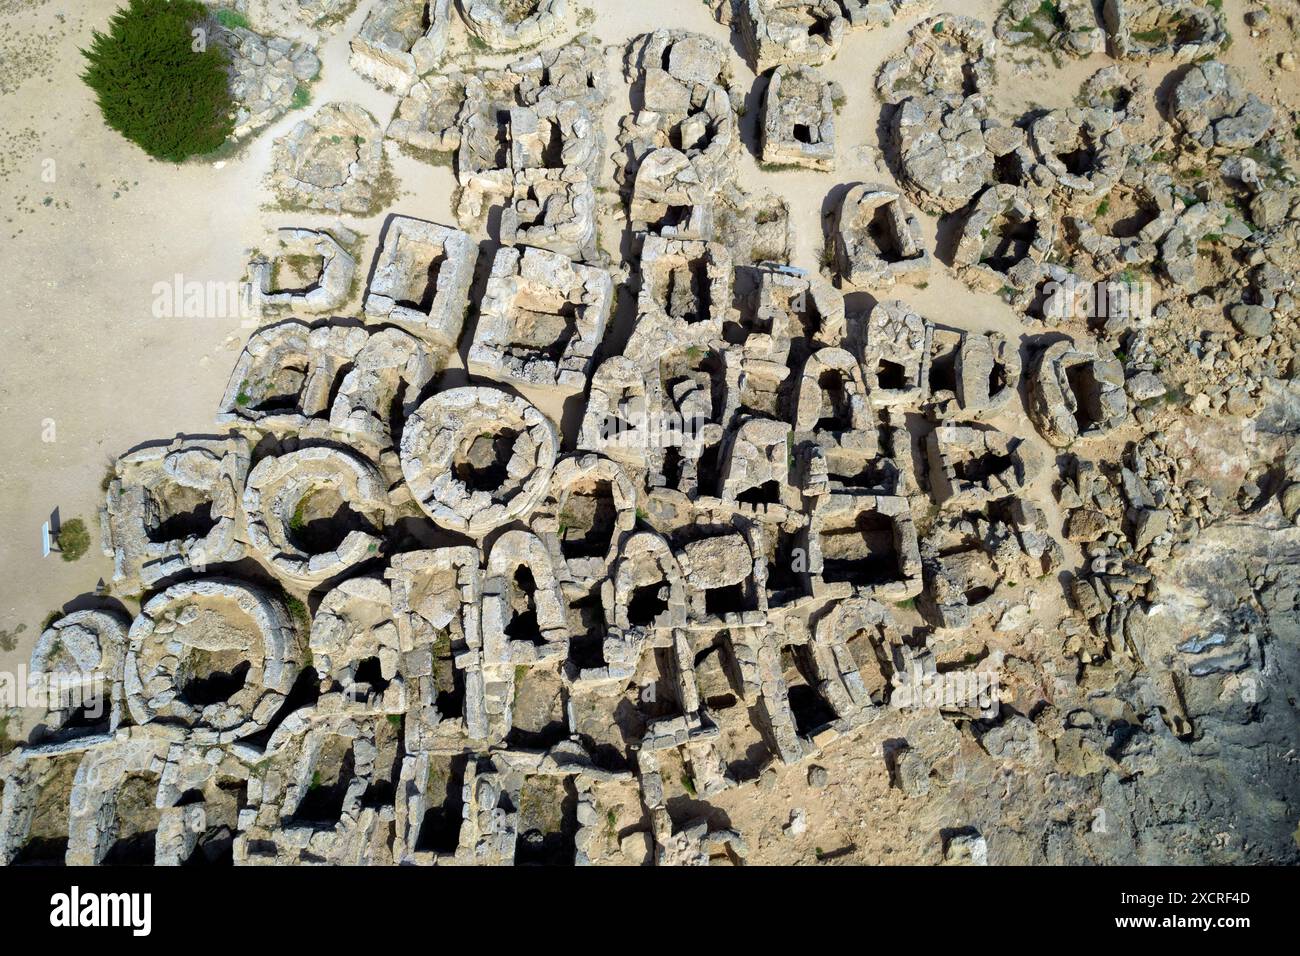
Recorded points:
(682, 142)
(509, 808)
(172, 508)
(504, 25)
(1075, 393)
(896, 354)
(878, 239)
(476, 458)
(428, 117)
(1005, 241)
(1083, 149)
(552, 209)
(265, 73)
(799, 119)
(943, 155)
(308, 270)
(864, 546)
(331, 161)
(437, 606)
(790, 31)
(422, 278)
(1214, 109)
(1143, 207)
(541, 319)
(80, 658)
(1180, 30)
(946, 56)
(971, 375)
(401, 40)
(315, 512)
(527, 135)
(332, 798)
(969, 465)
(1071, 26)
(356, 646)
(213, 655)
(283, 381)
(589, 507)
(685, 294)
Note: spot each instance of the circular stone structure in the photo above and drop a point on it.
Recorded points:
(505, 25)
(311, 512)
(476, 458)
(214, 654)
(78, 659)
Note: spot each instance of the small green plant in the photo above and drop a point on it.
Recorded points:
(1103, 208)
(49, 619)
(74, 540)
(9, 639)
(315, 781)
(906, 604)
(301, 96)
(298, 611)
(688, 783)
(395, 720)
(937, 28)
(521, 671)
(232, 20)
(1151, 37)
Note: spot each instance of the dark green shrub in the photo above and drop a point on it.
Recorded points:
(153, 85)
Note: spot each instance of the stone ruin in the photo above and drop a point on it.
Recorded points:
(946, 56)
(971, 465)
(970, 375)
(315, 512)
(790, 31)
(421, 280)
(392, 618)
(878, 239)
(541, 320)
(1071, 26)
(681, 144)
(799, 119)
(1214, 109)
(400, 41)
(513, 24)
(266, 74)
(214, 655)
(1180, 30)
(1075, 393)
(1005, 240)
(175, 508)
(308, 271)
(329, 380)
(333, 161)
(476, 458)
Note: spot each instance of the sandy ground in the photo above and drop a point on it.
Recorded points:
(89, 372)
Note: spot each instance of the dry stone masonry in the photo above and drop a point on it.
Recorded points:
(586, 521)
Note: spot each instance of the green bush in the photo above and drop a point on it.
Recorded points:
(74, 539)
(232, 19)
(153, 86)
